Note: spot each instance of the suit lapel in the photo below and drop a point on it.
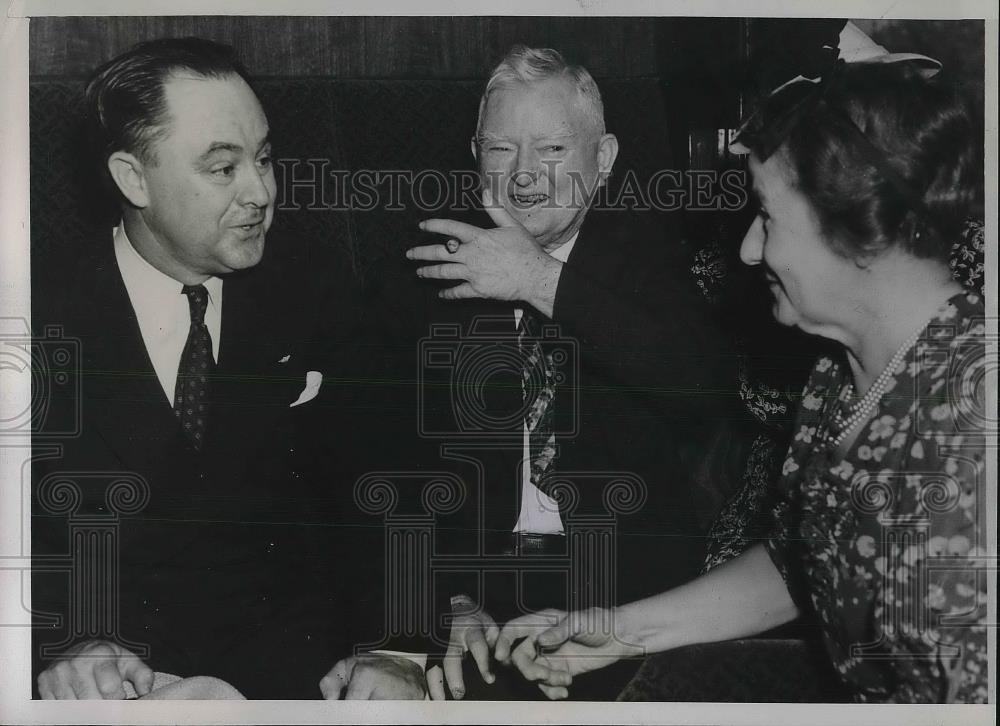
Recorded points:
(120, 386)
(260, 371)
(598, 251)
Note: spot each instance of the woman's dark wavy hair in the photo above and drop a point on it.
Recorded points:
(922, 128)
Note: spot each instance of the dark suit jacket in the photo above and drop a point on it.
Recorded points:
(211, 553)
(654, 379)
(643, 399)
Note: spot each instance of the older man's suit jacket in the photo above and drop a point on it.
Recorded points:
(215, 560)
(648, 386)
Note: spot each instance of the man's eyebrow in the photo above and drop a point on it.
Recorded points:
(217, 146)
(562, 134)
(486, 136)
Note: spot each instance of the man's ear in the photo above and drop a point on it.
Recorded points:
(607, 152)
(475, 148)
(127, 172)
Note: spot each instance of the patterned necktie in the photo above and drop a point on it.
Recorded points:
(539, 386)
(195, 370)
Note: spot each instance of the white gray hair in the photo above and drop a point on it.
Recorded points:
(533, 65)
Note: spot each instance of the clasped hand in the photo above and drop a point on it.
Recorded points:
(549, 648)
(473, 631)
(557, 645)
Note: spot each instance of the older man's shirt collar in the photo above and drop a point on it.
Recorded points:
(562, 252)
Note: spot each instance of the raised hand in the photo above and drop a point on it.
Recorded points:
(504, 263)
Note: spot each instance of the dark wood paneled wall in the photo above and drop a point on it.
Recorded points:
(699, 59)
(357, 47)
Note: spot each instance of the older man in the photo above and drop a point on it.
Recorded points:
(634, 404)
(193, 343)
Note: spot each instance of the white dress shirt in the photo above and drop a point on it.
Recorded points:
(163, 311)
(539, 512)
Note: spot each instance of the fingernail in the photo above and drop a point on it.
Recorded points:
(490, 678)
(458, 693)
(422, 225)
(409, 254)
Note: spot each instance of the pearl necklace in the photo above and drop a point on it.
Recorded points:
(862, 410)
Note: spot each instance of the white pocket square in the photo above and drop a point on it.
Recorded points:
(314, 380)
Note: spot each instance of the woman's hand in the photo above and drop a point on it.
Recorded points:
(558, 645)
(742, 597)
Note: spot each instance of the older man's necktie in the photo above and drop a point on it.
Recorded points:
(194, 374)
(539, 386)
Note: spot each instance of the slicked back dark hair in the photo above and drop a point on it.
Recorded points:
(921, 128)
(125, 103)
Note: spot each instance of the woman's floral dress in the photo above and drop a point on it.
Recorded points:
(742, 520)
(887, 545)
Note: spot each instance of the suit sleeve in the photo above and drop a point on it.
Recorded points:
(363, 422)
(649, 331)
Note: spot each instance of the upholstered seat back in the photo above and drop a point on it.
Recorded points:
(378, 134)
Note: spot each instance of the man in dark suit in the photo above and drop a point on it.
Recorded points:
(606, 415)
(196, 378)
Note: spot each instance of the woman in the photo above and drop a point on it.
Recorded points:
(864, 178)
